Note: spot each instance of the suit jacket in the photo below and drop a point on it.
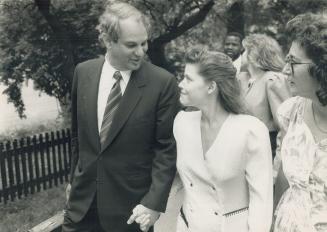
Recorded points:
(137, 163)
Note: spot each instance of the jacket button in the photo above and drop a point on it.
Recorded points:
(191, 185)
(216, 213)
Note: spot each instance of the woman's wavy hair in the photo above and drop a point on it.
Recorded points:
(310, 31)
(264, 52)
(218, 67)
(108, 26)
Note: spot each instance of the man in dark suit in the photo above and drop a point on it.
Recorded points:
(124, 153)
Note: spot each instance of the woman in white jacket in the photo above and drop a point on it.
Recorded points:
(223, 156)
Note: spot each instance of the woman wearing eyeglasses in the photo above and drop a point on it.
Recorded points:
(302, 154)
(267, 88)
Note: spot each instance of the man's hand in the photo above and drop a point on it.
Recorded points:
(145, 217)
(69, 186)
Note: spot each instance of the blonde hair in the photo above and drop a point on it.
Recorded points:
(264, 52)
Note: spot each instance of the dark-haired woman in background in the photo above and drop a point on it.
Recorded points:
(303, 121)
(223, 156)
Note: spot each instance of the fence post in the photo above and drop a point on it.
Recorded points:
(65, 139)
(30, 165)
(10, 170)
(41, 146)
(54, 158)
(24, 165)
(17, 154)
(60, 160)
(47, 150)
(36, 163)
(3, 170)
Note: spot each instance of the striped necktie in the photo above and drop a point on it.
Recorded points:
(111, 107)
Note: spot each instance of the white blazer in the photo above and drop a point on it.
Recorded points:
(230, 187)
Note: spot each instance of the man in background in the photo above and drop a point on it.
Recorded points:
(233, 48)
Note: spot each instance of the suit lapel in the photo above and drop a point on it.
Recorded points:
(91, 101)
(132, 95)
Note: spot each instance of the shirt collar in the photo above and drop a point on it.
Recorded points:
(126, 74)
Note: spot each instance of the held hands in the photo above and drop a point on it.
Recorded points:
(67, 193)
(68, 188)
(145, 217)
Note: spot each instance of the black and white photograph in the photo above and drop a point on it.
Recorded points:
(163, 116)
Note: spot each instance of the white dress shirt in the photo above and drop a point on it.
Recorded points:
(237, 64)
(105, 86)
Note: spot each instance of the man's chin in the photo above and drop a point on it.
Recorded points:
(135, 66)
(231, 55)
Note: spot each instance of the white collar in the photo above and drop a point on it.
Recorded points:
(126, 74)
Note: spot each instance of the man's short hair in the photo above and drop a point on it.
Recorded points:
(108, 26)
(236, 34)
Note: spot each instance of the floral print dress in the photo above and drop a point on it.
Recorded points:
(303, 206)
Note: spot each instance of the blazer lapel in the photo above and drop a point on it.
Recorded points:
(132, 95)
(91, 101)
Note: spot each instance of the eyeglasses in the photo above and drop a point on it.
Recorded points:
(289, 60)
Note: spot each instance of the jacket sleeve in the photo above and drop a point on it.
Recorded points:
(74, 130)
(164, 161)
(259, 177)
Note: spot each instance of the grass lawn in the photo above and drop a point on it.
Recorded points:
(23, 214)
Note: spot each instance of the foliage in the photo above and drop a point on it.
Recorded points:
(271, 16)
(210, 33)
(49, 38)
(31, 49)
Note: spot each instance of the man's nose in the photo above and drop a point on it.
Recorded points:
(180, 84)
(139, 51)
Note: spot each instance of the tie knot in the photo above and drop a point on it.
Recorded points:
(117, 76)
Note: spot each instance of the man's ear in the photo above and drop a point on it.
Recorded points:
(242, 49)
(108, 44)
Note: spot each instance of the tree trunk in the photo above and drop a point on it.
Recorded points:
(235, 18)
(156, 50)
(157, 55)
(63, 36)
(65, 111)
